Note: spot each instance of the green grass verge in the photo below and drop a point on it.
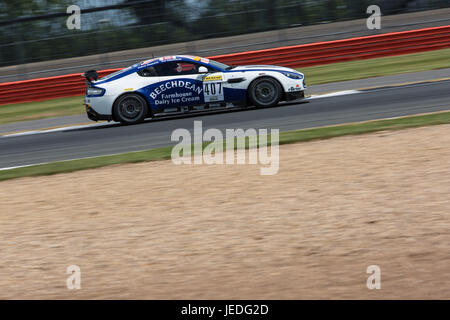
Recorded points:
(285, 138)
(41, 109)
(314, 75)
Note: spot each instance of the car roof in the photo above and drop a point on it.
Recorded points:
(148, 63)
(158, 60)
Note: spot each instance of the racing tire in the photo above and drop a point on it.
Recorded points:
(265, 92)
(130, 109)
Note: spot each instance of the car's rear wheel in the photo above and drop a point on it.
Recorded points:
(130, 109)
(265, 92)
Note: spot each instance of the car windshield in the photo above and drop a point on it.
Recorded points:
(220, 65)
(118, 72)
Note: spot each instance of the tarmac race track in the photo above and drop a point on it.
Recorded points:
(351, 106)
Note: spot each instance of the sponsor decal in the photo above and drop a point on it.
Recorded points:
(213, 78)
(177, 92)
(292, 89)
(168, 58)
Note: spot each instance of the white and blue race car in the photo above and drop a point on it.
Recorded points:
(172, 85)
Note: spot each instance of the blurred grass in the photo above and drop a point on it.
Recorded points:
(314, 75)
(41, 109)
(361, 69)
(285, 138)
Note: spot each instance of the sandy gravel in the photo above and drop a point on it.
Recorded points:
(156, 230)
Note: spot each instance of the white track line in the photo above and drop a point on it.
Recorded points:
(82, 158)
(334, 94)
(10, 168)
(26, 133)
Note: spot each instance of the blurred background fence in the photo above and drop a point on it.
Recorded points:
(32, 31)
(382, 45)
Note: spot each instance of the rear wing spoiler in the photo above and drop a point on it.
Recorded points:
(90, 75)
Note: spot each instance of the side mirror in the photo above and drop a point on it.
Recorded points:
(202, 69)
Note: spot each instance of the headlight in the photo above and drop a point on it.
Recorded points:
(293, 75)
(93, 91)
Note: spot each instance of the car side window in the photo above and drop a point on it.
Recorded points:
(164, 69)
(147, 72)
(175, 68)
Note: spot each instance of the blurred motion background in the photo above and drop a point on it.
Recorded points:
(35, 30)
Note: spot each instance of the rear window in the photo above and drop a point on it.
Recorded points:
(118, 72)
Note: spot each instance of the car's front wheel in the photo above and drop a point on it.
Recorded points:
(130, 109)
(265, 92)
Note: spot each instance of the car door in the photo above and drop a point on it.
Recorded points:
(225, 88)
(213, 88)
(180, 85)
